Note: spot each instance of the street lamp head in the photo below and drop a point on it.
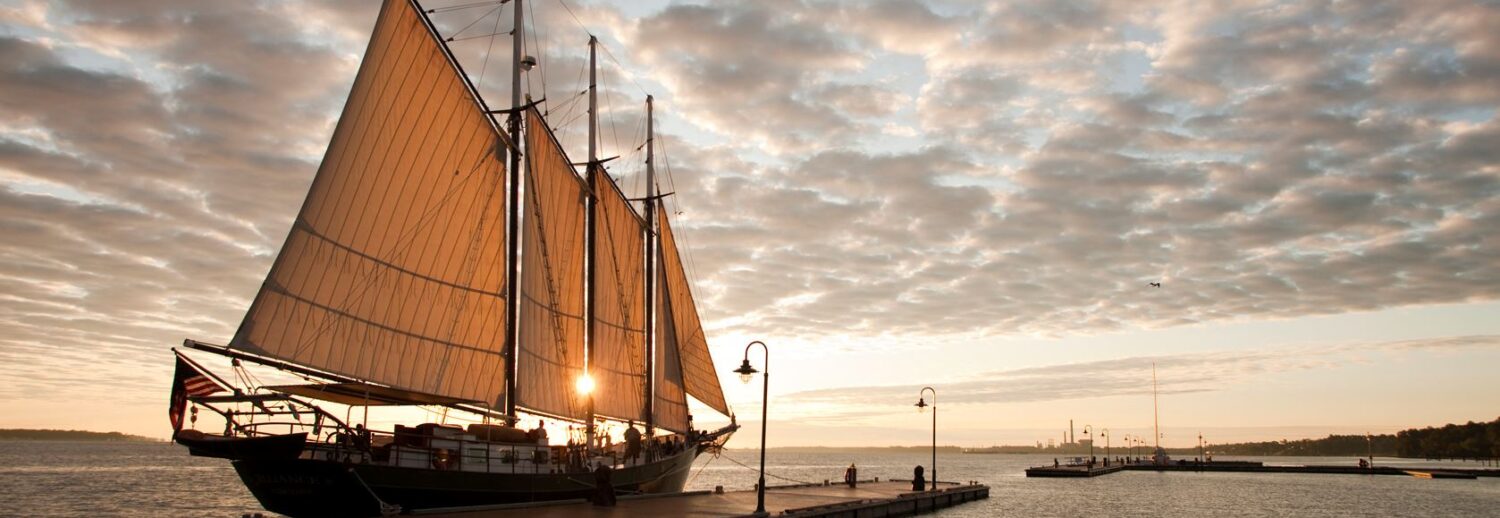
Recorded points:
(921, 405)
(746, 371)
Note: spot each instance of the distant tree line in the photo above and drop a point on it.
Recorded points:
(1332, 446)
(1455, 441)
(67, 435)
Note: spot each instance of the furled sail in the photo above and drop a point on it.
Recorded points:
(552, 261)
(394, 270)
(670, 410)
(619, 334)
(699, 377)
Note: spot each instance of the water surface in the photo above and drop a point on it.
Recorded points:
(158, 479)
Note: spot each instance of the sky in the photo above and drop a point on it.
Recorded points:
(890, 194)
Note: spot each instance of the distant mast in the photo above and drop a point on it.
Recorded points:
(1155, 408)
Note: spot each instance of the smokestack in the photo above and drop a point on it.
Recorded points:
(1070, 431)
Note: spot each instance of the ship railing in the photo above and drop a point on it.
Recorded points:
(458, 451)
(256, 415)
(445, 451)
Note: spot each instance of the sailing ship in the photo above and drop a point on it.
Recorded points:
(416, 275)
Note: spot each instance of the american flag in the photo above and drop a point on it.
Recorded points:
(188, 382)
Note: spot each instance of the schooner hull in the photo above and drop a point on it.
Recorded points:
(306, 487)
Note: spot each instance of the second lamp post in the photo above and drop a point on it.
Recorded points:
(922, 406)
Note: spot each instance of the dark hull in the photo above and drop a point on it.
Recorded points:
(304, 487)
(267, 447)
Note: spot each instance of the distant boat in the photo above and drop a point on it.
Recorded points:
(414, 275)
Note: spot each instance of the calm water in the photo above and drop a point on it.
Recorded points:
(145, 479)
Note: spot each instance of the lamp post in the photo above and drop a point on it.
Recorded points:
(1202, 454)
(1086, 431)
(746, 372)
(1105, 434)
(1370, 448)
(922, 407)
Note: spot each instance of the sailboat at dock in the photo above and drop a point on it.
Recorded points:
(446, 258)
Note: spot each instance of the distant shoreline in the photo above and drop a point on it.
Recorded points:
(21, 434)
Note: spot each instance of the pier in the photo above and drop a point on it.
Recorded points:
(871, 498)
(1256, 467)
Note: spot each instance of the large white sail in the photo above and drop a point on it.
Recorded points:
(619, 329)
(552, 294)
(394, 270)
(699, 377)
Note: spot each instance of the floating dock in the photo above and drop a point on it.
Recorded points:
(1072, 471)
(868, 499)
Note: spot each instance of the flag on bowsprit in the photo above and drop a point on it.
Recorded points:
(188, 382)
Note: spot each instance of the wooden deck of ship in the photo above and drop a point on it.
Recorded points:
(868, 499)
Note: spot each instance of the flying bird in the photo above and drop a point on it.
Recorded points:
(1156, 285)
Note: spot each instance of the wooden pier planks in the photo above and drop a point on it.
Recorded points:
(869, 498)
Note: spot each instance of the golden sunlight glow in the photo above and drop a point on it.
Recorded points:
(585, 384)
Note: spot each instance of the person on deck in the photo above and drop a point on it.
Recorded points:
(539, 434)
(361, 437)
(918, 481)
(632, 442)
(851, 476)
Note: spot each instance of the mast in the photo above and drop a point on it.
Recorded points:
(593, 214)
(651, 244)
(1155, 408)
(512, 256)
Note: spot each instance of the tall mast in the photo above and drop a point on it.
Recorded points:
(593, 203)
(512, 262)
(650, 268)
(1155, 408)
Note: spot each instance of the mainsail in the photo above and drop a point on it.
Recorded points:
(394, 269)
(686, 332)
(619, 326)
(552, 266)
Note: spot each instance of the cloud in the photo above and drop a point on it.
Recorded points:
(842, 169)
(1177, 374)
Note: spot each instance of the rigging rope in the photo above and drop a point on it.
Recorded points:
(769, 474)
(485, 65)
(476, 20)
(703, 467)
(464, 6)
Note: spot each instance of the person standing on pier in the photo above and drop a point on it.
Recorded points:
(851, 476)
(604, 487)
(918, 482)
